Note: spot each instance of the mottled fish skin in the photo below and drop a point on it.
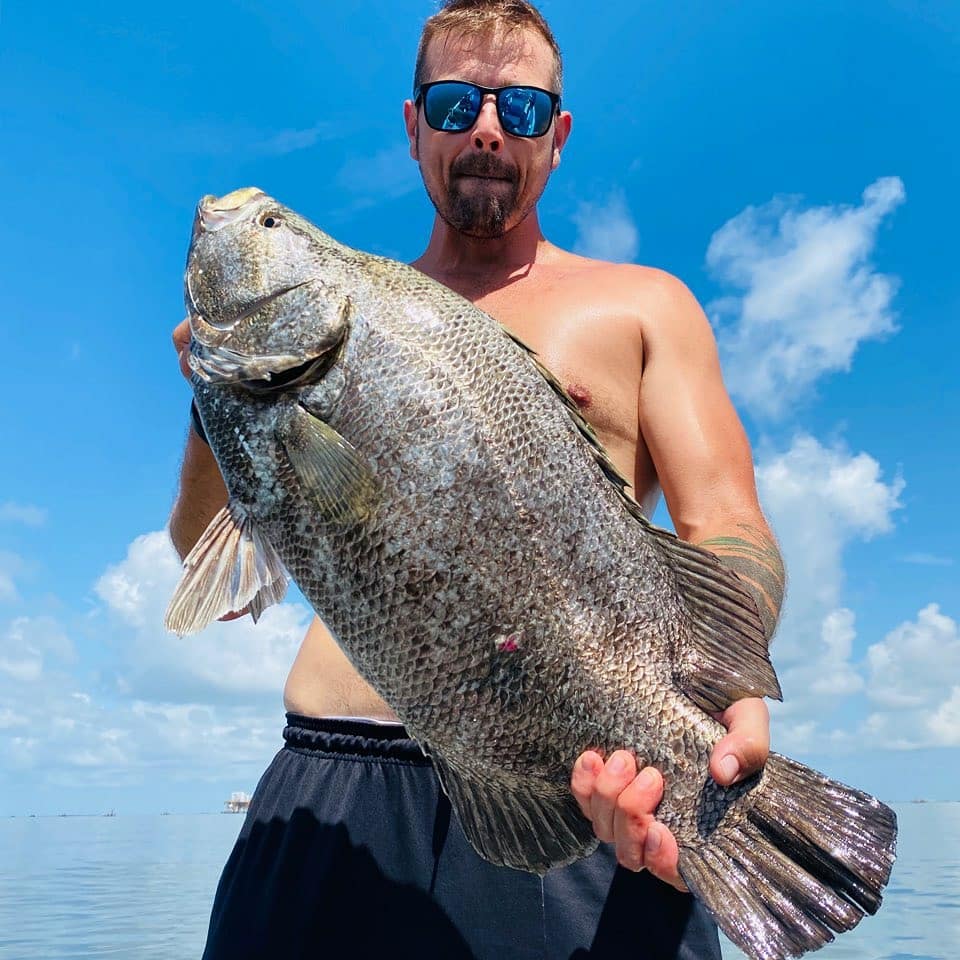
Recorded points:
(478, 561)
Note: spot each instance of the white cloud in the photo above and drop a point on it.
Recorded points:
(25, 513)
(810, 293)
(30, 644)
(917, 663)
(606, 231)
(928, 560)
(291, 140)
(11, 565)
(238, 657)
(944, 723)
(818, 500)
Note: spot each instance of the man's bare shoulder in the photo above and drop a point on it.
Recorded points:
(659, 301)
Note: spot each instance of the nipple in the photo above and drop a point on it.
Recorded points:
(580, 395)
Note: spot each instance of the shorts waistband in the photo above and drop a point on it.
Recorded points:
(357, 738)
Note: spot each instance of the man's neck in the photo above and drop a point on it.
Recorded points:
(462, 261)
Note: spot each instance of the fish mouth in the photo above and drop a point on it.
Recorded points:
(309, 371)
(263, 374)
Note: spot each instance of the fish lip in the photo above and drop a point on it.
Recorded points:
(195, 313)
(215, 213)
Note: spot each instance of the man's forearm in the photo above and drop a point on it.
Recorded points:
(754, 556)
(202, 494)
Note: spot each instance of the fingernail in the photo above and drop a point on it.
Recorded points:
(729, 768)
(648, 777)
(653, 841)
(589, 764)
(617, 763)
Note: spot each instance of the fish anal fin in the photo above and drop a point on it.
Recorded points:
(232, 566)
(516, 824)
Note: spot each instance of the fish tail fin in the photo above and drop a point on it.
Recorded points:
(793, 859)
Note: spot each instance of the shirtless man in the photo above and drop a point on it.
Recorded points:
(636, 353)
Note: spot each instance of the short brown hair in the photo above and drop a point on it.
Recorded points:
(480, 17)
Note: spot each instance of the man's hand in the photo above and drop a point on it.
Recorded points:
(621, 803)
(181, 343)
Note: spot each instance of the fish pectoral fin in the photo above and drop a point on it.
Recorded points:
(524, 823)
(332, 473)
(232, 566)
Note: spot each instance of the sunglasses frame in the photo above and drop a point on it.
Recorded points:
(420, 95)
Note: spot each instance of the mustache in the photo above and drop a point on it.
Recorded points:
(484, 165)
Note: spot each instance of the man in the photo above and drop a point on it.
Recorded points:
(348, 848)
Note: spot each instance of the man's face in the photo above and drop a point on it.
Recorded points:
(482, 181)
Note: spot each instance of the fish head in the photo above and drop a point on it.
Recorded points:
(260, 313)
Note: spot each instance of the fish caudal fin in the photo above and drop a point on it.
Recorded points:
(792, 861)
(232, 566)
(512, 824)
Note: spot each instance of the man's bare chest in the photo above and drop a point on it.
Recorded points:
(589, 351)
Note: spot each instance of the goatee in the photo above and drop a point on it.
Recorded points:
(477, 210)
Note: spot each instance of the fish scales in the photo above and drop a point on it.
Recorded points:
(452, 519)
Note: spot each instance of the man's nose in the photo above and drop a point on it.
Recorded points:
(487, 134)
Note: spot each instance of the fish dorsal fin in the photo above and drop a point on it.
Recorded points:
(723, 655)
(232, 566)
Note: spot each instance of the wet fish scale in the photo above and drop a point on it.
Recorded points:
(449, 515)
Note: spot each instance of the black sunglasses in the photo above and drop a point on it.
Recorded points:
(454, 105)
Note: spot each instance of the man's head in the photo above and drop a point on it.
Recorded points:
(483, 179)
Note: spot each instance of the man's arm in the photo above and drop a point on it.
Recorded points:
(703, 461)
(202, 491)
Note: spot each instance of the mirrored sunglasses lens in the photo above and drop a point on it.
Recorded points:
(525, 112)
(451, 106)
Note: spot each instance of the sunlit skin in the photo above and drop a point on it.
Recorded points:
(633, 347)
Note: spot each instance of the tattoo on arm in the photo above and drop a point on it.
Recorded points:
(755, 558)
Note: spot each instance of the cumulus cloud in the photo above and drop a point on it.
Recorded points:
(809, 293)
(226, 659)
(913, 666)
(819, 500)
(606, 230)
(24, 513)
(204, 707)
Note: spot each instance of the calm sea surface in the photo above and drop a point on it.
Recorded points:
(141, 887)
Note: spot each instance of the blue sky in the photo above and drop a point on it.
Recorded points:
(793, 163)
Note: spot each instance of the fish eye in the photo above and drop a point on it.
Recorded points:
(270, 220)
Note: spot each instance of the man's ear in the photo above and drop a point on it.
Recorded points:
(561, 130)
(410, 122)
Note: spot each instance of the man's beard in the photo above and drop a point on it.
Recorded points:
(479, 213)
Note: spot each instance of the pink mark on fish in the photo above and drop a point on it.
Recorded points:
(510, 643)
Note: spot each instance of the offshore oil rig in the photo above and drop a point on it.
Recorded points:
(239, 802)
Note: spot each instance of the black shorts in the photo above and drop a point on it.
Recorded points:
(349, 850)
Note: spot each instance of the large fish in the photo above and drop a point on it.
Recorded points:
(454, 522)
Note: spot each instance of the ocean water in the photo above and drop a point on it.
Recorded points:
(141, 887)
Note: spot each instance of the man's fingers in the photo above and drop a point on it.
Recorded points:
(633, 816)
(584, 776)
(745, 748)
(619, 770)
(660, 855)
